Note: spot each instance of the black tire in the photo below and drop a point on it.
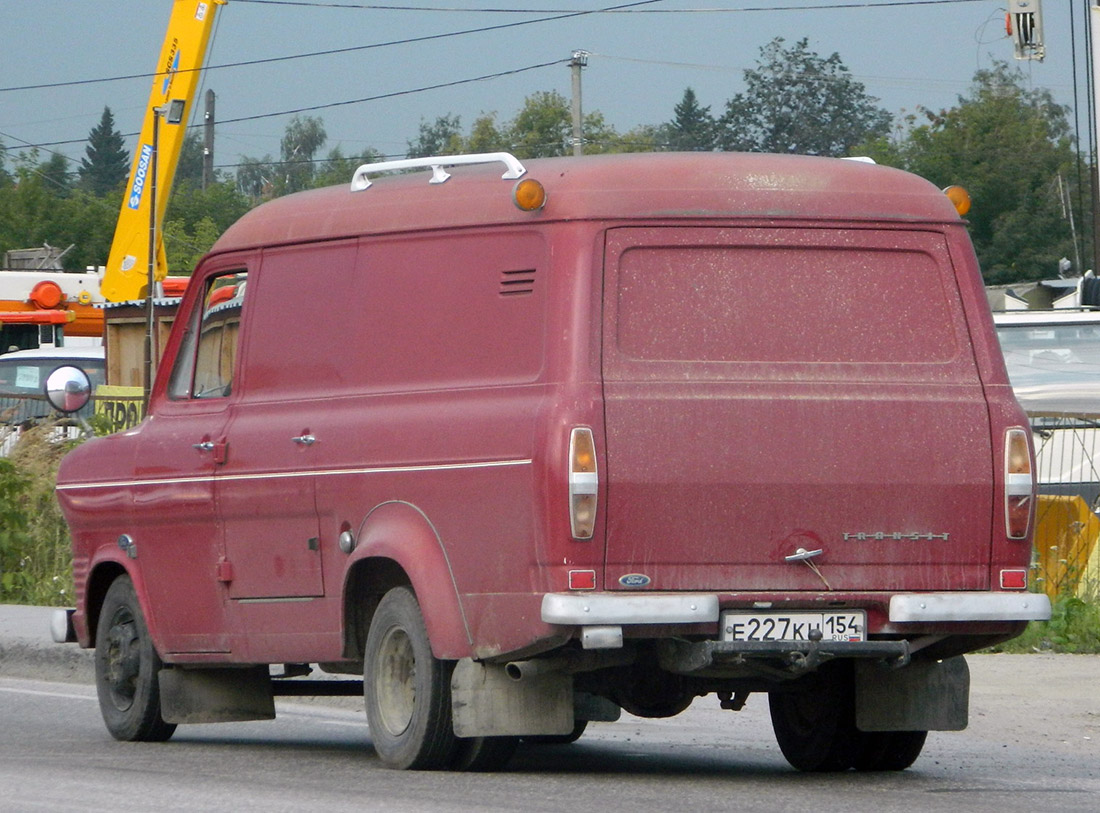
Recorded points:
(483, 754)
(407, 690)
(127, 669)
(888, 750)
(815, 727)
(579, 727)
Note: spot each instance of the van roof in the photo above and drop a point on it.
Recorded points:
(651, 186)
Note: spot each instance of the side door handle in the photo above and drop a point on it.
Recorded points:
(219, 448)
(305, 440)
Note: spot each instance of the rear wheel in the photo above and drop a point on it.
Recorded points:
(888, 750)
(579, 727)
(815, 727)
(406, 689)
(127, 669)
(483, 753)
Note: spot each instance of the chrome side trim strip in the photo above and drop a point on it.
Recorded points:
(632, 608)
(206, 478)
(969, 607)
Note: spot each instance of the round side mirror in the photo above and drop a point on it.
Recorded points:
(68, 389)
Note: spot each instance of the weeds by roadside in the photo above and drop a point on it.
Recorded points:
(1074, 627)
(35, 554)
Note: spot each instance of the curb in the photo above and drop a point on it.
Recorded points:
(28, 651)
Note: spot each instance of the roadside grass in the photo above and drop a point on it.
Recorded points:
(1074, 627)
(35, 553)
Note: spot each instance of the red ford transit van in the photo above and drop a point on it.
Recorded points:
(526, 445)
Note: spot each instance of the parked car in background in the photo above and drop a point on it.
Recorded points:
(1053, 361)
(23, 375)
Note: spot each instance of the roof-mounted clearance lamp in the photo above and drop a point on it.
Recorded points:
(960, 198)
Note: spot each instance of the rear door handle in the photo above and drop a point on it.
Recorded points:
(305, 440)
(205, 446)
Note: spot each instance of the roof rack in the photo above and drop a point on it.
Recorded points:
(359, 180)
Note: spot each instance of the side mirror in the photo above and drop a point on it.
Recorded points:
(68, 389)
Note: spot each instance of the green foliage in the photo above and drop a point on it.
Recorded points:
(440, 137)
(189, 166)
(798, 102)
(106, 163)
(38, 208)
(1010, 146)
(692, 128)
(35, 553)
(1074, 627)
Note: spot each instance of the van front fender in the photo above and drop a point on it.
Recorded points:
(402, 533)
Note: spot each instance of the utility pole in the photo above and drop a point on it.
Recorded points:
(208, 141)
(579, 60)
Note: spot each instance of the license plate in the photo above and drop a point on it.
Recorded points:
(788, 627)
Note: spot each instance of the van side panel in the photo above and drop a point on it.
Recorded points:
(736, 437)
(437, 399)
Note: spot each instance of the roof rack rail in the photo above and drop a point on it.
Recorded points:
(515, 169)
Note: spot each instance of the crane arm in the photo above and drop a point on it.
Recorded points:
(174, 88)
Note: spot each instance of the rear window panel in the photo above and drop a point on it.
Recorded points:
(832, 303)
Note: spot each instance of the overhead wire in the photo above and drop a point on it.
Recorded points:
(333, 51)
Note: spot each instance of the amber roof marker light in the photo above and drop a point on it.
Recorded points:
(529, 195)
(959, 198)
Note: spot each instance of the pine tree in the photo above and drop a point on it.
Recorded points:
(693, 127)
(105, 164)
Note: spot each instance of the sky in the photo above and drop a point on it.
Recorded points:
(914, 54)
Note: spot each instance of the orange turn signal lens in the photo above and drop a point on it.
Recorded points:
(959, 198)
(529, 195)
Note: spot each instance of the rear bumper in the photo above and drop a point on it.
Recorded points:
(923, 607)
(588, 609)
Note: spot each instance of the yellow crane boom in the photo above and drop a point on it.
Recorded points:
(173, 91)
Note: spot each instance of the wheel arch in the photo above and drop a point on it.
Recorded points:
(99, 581)
(397, 545)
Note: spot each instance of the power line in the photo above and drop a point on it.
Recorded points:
(377, 97)
(333, 51)
(815, 7)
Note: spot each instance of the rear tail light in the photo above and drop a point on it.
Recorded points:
(1019, 484)
(583, 483)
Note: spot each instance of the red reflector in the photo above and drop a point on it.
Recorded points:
(582, 579)
(1014, 579)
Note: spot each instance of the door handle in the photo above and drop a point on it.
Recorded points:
(205, 446)
(803, 555)
(305, 440)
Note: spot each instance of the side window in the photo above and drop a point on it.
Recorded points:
(204, 367)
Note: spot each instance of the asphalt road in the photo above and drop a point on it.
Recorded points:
(1033, 744)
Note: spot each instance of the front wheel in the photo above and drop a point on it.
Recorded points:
(127, 668)
(406, 689)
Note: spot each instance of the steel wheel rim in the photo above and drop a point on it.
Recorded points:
(122, 660)
(395, 681)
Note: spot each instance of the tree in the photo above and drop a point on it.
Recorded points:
(105, 164)
(692, 128)
(1010, 147)
(189, 166)
(304, 136)
(337, 169)
(543, 127)
(440, 137)
(797, 102)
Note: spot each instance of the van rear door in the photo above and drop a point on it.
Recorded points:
(776, 390)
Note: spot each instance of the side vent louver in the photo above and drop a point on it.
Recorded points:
(517, 283)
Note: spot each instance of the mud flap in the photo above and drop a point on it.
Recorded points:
(923, 696)
(216, 695)
(485, 702)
